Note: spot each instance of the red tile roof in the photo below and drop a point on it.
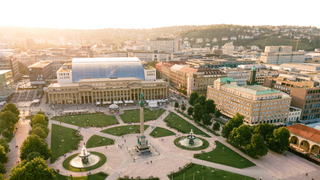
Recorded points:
(305, 131)
(188, 70)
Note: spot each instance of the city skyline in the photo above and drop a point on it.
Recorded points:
(143, 14)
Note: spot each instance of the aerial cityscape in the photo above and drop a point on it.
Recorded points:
(110, 96)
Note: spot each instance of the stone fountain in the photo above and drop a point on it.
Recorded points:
(84, 159)
(191, 141)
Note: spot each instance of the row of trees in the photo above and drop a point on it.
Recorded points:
(9, 117)
(34, 151)
(256, 140)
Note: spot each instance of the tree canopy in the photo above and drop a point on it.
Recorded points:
(3, 155)
(41, 112)
(4, 143)
(241, 135)
(209, 106)
(235, 122)
(198, 112)
(279, 141)
(2, 171)
(216, 126)
(44, 128)
(265, 129)
(39, 132)
(8, 119)
(206, 120)
(194, 95)
(176, 104)
(201, 100)
(39, 118)
(257, 146)
(33, 155)
(190, 111)
(12, 108)
(34, 143)
(183, 107)
(217, 113)
(27, 169)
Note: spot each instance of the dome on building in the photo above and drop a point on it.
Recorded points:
(83, 68)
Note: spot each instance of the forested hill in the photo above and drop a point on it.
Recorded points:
(261, 36)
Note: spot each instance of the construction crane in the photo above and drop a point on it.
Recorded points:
(294, 40)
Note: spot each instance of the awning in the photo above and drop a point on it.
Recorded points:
(120, 102)
(98, 103)
(126, 101)
(130, 101)
(36, 101)
(113, 106)
(115, 102)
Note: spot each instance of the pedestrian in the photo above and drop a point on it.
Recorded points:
(306, 174)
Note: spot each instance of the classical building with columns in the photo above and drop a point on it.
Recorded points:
(305, 140)
(105, 80)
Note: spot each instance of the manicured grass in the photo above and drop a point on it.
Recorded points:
(206, 172)
(175, 121)
(161, 132)
(226, 156)
(66, 165)
(204, 146)
(94, 141)
(67, 145)
(98, 176)
(82, 120)
(134, 115)
(122, 130)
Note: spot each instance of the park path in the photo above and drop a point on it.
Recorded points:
(119, 119)
(21, 134)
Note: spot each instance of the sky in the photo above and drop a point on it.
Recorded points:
(97, 14)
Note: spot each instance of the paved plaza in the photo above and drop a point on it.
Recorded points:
(120, 163)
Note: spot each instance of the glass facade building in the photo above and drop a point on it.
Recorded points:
(83, 68)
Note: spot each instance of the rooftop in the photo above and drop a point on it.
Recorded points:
(305, 131)
(4, 71)
(64, 70)
(40, 64)
(108, 79)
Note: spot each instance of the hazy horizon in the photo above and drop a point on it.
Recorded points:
(142, 14)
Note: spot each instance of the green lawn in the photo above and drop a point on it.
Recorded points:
(134, 115)
(94, 119)
(225, 156)
(161, 132)
(94, 141)
(67, 145)
(206, 173)
(204, 146)
(98, 176)
(66, 165)
(175, 121)
(122, 130)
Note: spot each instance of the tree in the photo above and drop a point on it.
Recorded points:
(257, 146)
(44, 128)
(194, 95)
(39, 132)
(8, 120)
(209, 107)
(3, 155)
(12, 108)
(206, 120)
(183, 107)
(2, 169)
(7, 134)
(265, 129)
(240, 135)
(27, 169)
(216, 126)
(46, 117)
(39, 118)
(217, 113)
(235, 122)
(5, 144)
(190, 111)
(279, 141)
(198, 112)
(201, 100)
(176, 104)
(34, 143)
(33, 155)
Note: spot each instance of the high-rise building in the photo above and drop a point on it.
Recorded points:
(29, 44)
(7, 87)
(282, 54)
(163, 45)
(40, 72)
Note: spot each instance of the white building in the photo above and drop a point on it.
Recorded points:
(64, 74)
(294, 114)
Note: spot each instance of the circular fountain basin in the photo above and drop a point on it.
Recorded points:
(185, 142)
(77, 161)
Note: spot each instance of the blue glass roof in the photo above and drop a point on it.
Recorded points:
(106, 68)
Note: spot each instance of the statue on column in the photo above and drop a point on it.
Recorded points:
(141, 100)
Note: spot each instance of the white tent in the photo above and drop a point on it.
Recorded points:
(115, 102)
(120, 102)
(153, 104)
(36, 101)
(98, 103)
(113, 106)
(2, 103)
(130, 101)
